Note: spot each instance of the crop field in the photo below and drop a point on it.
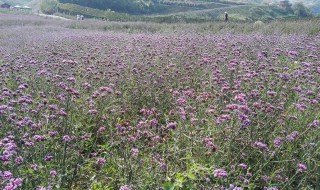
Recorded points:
(142, 106)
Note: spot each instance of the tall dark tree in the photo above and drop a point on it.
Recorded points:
(301, 11)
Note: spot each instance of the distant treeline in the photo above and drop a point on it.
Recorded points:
(122, 6)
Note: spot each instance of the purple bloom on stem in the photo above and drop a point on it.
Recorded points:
(265, 178)
(101, 129)
(100, 161)
(314, 124)
(220, 173)
(48, 158)
(261, 145)
(35, 167)
(171, 125)
(6, 175)
(302, 168)
(66, 138)
(134, 152)
(18, 161)
(53, 173)
(125, 187)
(93, 112)
(181, 100)
(243, 166)
(278, 141)
(106, 89)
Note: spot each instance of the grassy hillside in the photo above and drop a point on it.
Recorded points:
(164, 10)
(236, 13)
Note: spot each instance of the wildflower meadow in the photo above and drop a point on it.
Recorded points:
(89, 108)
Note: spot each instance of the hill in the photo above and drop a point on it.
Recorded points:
(168, 10)
(173, 10)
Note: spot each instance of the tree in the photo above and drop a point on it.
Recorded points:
(124, 6)
(257, 12)
(49, 6)
(301, 11)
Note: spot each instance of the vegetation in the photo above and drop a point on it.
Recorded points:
(135, 105)
(301, 11)
(74, 9)
(49, 6)
(125, 6)
(171, 11)
(236, 13)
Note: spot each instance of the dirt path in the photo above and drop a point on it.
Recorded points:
(52, 16)
(36, 9)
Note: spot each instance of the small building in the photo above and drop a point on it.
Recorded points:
(285, 4)
(5, 6)
(18, 7)
(26, 8)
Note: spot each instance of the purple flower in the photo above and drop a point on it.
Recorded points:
(232, 106)
(100, 161)
(171, 125)
(293, 135)
(265, 178)
(52, 134)
(125, 187)
(93, 112)
(301, 168)
(39, 138)
(101, 129)
(106, 89)
(261, 145)
(293, 53)
(13, 184)
(243, 166)
(53, 173)
(18, 161)
(35, 167)
(163, 165)
(134, 152)
(62, 112)
(314, 124)
(278, 141)
(271, 93)
(6, 175)
(194, 120)
(181, 100)
(220, 173)
(66, 138)
(48, 158)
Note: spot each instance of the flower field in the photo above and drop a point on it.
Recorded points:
(92, 109)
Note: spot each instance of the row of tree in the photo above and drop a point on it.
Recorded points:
(138, 7)
(123, 6)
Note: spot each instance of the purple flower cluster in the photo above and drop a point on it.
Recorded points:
(220, 173)
(9, 182)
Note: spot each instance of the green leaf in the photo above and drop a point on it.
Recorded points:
(168, 186)
(191, 175)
